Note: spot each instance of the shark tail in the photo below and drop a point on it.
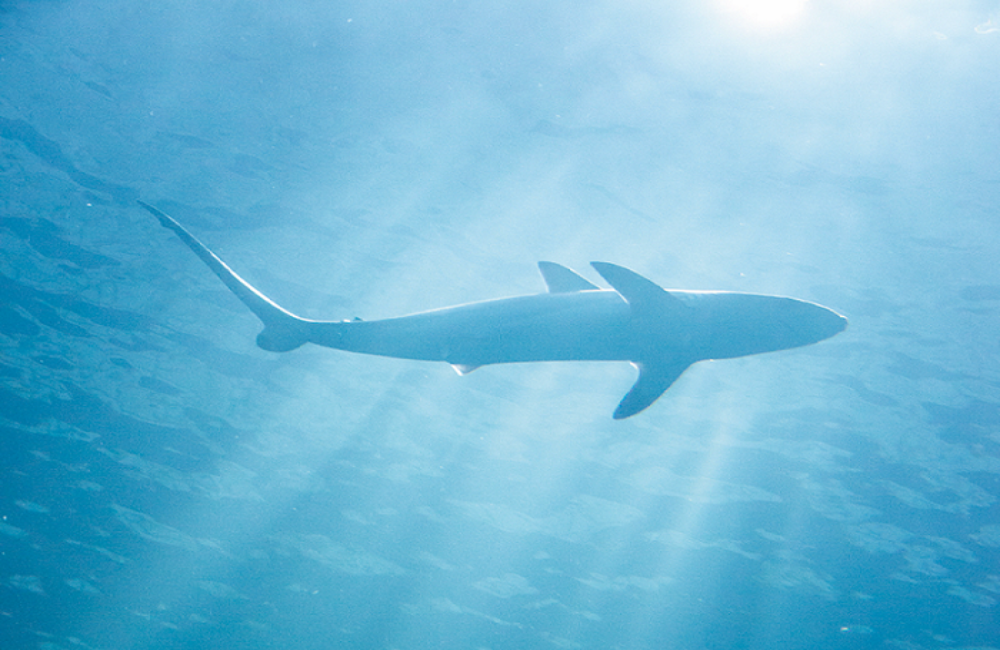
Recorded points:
(283, 330)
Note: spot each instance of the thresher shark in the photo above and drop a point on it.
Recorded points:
(661, 332)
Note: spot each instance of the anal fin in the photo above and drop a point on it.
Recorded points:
(654, 379)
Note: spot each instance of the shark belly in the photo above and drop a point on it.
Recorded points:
(581, 326)
(661, 332)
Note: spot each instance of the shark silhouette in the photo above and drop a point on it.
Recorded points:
(662, 332)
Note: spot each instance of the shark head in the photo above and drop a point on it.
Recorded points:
(738, 324)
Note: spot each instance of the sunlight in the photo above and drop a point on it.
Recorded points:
(764, 14)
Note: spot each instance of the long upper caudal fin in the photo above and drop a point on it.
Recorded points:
(283, 330)
(560, 279)
(654, 379)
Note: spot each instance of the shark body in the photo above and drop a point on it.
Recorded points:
(662, 332)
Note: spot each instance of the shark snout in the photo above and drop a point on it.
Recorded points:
(837, 322)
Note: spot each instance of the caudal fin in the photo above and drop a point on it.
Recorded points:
(283, 330)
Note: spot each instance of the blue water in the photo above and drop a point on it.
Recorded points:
(167, 484)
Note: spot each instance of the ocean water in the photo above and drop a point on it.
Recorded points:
(164, 483)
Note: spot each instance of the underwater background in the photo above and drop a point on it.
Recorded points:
(164, 483)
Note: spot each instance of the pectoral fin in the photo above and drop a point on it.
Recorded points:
(636, 289)
(654, 379)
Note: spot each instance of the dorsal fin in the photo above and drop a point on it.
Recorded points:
(560, 279)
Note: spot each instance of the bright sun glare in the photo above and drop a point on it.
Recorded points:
(764, 14)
